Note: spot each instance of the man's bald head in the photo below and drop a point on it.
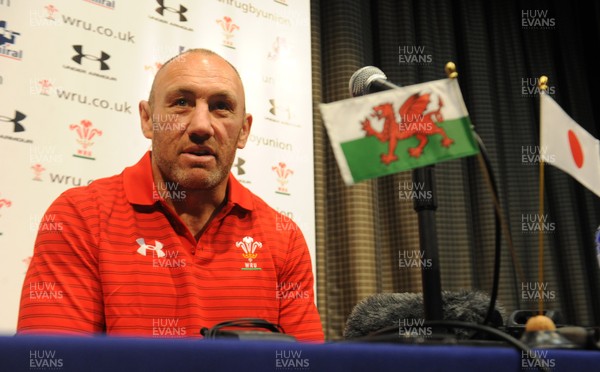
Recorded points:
(181, 58)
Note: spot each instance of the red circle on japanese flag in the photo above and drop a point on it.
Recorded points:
(576, 151)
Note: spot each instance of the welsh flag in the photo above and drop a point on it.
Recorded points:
(399, 129)
(567, 146)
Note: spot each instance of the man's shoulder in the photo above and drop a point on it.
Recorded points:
(280, 221)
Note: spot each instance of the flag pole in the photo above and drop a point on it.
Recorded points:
(543, 86)
(541, 322)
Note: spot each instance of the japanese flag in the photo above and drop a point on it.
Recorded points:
(567, 146)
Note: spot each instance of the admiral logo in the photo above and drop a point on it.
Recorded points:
(228, 28)
(103, 3)
(7, 39)
(167, 11)
(283, 172)
(280, 113)
(102, 59)
(85, 134)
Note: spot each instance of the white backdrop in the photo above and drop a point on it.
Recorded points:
(73, 71)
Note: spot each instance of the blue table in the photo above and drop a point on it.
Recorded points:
(65, 354)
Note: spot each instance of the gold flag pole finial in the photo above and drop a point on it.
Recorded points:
(543, 83)
(451, 70)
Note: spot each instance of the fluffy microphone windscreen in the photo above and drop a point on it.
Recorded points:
(384, 310)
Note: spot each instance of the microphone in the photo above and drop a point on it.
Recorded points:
(386, 310)
(367, 80)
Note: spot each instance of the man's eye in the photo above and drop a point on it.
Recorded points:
(181, 102)
(221, 106)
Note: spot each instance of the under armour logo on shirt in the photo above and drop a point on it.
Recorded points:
(157, 247)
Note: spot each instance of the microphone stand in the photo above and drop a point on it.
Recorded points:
(430, 276)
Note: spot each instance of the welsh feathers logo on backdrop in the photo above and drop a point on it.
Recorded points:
(283, 172)
(85, 134)
(228, 28)
(38, 169)
(399, 129)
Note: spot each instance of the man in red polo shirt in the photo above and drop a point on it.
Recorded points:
(173, 243)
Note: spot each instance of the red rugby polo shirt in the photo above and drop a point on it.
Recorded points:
(119, 260)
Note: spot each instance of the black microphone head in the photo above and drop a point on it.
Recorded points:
(361, 80)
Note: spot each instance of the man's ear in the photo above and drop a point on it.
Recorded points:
(245, 132)
(146, 119)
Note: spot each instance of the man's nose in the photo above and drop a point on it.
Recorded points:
(200, 123)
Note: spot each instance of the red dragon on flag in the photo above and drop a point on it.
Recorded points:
(414, 122)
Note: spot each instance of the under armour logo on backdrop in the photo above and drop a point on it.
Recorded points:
(240, 170)
(103, 57)
(160, 10)
(157, 247)
(16, 121)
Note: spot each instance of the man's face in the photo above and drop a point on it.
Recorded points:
(196, 121)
